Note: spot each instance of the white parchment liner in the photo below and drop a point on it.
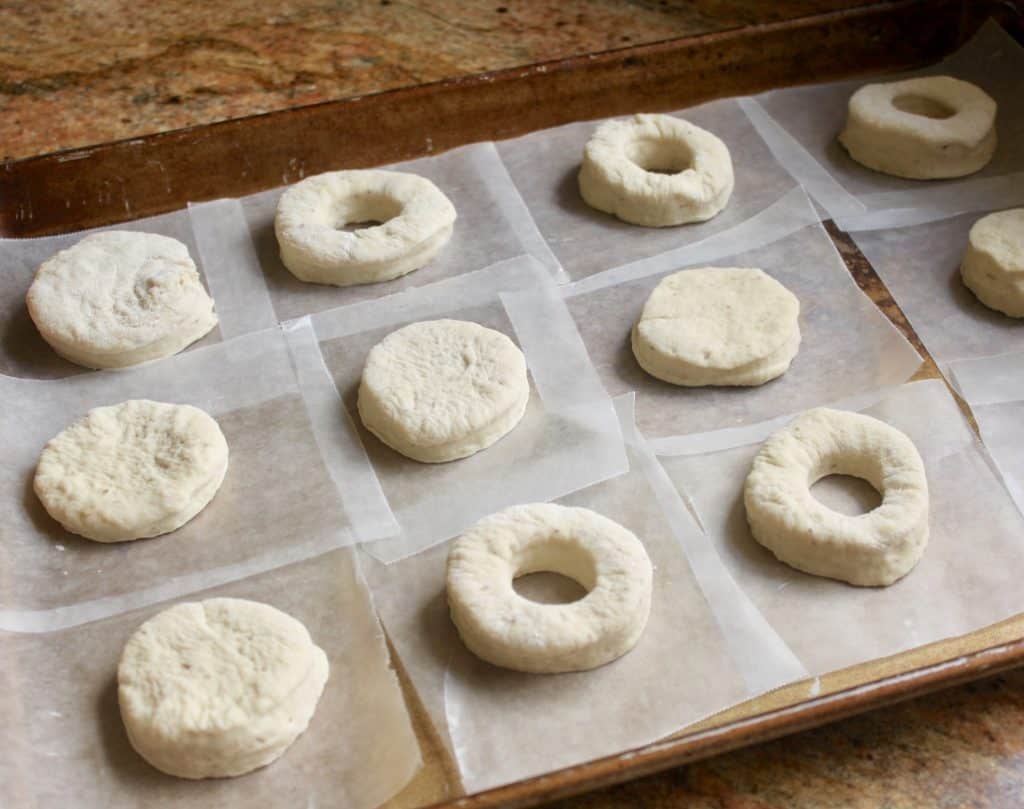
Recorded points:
(492, 225)
(800, 125)
(504, 725)
(544, 166)
(65, 745)
(969, 575)
(568, 439)
(920, 264)
(848, 346)
(278, 502)
(994, 389)
(23, 352)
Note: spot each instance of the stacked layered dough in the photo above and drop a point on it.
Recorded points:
(218, 688)
(718, 326)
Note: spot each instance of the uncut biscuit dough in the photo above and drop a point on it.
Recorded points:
(926, 128)
(439, 390)
(119, 298)
(218, 688)
(993, 264)
(506, 629)
(718, 326)
(132, 470)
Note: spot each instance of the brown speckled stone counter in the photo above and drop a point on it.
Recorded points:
(73, 74)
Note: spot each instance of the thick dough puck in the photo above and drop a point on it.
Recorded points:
(439, 390)
(415, 217)
(119, 298)
(923, 129)
(656, 171)
(993, 265)
(132, 470)
(870, 549)
(504, 628)
(218, 688)
(718, 326)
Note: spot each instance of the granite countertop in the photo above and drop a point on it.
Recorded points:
(74, 74)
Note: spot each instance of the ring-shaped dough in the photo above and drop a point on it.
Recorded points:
(993, 265)
(621, 165)
(924, 129)
(132, 470)
(218, 688)
(119, 298)
(439, 390)
(870, 549)
(416, 222)
(504, 628)
(718, 326)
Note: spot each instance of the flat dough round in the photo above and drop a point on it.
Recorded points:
(439, 390)
(416, 222)
(218, 688)
(119, 298)
(504, 628)
(623, 161)
(993, 265)
(132, 470)
(870, 549)
(718, 326)
(924, 129)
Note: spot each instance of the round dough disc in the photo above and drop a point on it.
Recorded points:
(993, 265)
(119, 298)
(439, 390)
(132, 470)
(718, 326)
(218, 688)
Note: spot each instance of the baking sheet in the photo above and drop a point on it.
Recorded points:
(920, 264)
(492, 225)
(568, 438)
(62, 734)
(683, 668)
(801, 125)
(848, 346)
(23, 352)
(260, 517)
(959, 585)
(544, 166)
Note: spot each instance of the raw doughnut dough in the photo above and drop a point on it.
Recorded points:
(133, 470)
(119, 298)
(443, 389)
(718, 326)
(993, 265)
(416, 222)
(924, 129)
(871, 549)
(500, 626)
(620, 169)
(218, 688)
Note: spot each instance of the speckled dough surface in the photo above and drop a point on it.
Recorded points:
(993, 265)
(119, 298)
(924, 129)
(132, 470)
(415, 221)
(872, 549)
(439, 390)
(506, 629)
(218, 688)
(656, 171)
(718, 326)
